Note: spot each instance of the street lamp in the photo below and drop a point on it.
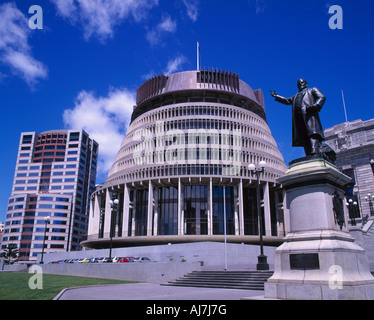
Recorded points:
(262, 259)
(352, 214)
(114, 207)
(370, 199)
(46, 221)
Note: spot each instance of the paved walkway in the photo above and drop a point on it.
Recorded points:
(148, 291)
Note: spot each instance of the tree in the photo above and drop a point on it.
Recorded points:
(10, 254)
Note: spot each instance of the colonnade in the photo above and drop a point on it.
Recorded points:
(124, 217)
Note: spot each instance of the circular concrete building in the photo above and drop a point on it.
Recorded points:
(184, 160)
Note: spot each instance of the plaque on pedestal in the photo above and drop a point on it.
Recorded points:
(318, 259)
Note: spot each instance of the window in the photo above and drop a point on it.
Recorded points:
(195, 208)
(168, 204)
(46, 198)
(74, 136)
(58, 206)
(57, 246)
(45, 206)
(62, 199)
(218, 210)
(27, 139)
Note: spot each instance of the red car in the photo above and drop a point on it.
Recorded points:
(126, 259)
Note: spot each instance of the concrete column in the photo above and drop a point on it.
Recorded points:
(108, 214)
(180, 210)
(126, 211)
(267, 216)
(93, 225)
(150, 209)
(156, 212)
(241, 208)
(210, 214)
(236, 209)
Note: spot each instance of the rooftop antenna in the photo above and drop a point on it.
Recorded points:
(198, 57)
(345, 109)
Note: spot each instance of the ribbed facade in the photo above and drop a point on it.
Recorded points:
(184, 157)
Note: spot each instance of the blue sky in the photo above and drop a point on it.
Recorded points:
(83, 68)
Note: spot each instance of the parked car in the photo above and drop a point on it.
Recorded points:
(142, 259)
(74, 260)
(107, 260)
(126, 259)
(97, 260)
(115, 259)
(85, 260)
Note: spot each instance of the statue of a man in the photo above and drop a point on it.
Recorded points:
(307, 130)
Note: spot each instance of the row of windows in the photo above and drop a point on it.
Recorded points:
(183, 111)
(39, 214)
(31, 238)
(41, 198)
(46, 188)
(50, 147)
(32, 221)
(187, 170)
(162, 127)
(31, 230)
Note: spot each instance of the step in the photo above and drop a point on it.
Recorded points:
(202, 285)
(246, 280)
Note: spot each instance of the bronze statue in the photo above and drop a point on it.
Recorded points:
(307, 130)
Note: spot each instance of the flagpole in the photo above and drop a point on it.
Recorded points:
(345, 109)
(198, 56)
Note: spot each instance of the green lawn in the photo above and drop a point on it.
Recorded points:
(15, 286)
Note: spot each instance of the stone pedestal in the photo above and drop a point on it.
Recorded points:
(318, 259)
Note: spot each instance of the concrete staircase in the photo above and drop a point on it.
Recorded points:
(245, 280)
(365, 239)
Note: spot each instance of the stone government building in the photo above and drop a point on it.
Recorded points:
(191, 138)
(354, 144)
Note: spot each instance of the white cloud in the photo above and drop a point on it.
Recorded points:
(174, 65)
(261, 5)
(167, 25)
(99, 17)
(15, 51)
(192, 7)
(105, 119)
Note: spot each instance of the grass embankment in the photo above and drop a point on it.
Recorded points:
(15, 286)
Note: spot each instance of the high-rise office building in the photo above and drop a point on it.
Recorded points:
(54, 177)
